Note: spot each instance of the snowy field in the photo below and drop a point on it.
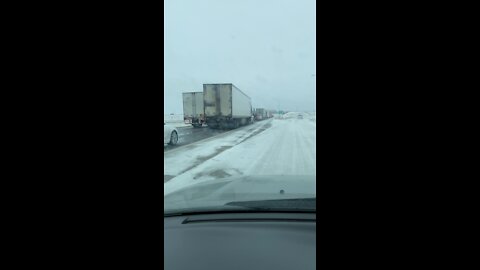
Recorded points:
(271, 147)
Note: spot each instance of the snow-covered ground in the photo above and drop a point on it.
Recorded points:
(271, 147)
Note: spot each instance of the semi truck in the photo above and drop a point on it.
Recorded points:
(269, 114)
(193, 112)
(260, 114)
(226, 106)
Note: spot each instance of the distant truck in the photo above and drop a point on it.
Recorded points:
(269, 114)
(193, 112)
(260, 114)
(226, 106)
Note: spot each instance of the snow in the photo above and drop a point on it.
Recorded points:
(271, 147)
(181, 159)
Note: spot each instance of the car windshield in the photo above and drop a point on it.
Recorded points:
(240, 106)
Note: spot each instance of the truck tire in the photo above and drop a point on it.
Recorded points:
(173, 138)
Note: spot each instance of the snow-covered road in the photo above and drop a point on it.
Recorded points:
(270, 147)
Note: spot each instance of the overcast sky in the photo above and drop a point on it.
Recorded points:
(264, 47)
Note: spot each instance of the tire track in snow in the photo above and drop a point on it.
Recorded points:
(285, 148)
(197, 160)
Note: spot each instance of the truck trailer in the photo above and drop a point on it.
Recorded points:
(269, 114)
(260, 114)
(226, 106)
(193, 112)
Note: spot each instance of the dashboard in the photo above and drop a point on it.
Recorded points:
(240, 241)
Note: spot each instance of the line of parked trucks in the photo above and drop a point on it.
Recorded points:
(221, 105)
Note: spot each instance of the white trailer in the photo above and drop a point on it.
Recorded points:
(193, 112)
(226, 106)
(260, 114)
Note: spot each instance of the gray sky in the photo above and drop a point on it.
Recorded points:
(264, 47)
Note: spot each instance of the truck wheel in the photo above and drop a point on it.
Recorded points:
(173, 138)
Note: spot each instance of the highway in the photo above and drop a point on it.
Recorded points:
(269, 147)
